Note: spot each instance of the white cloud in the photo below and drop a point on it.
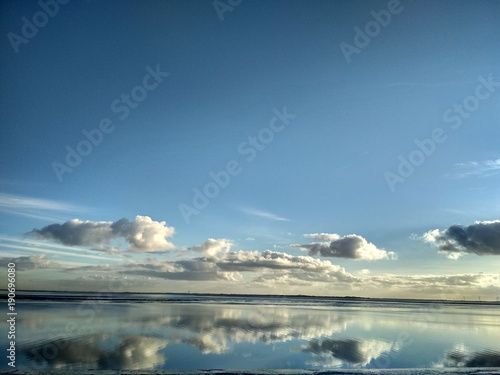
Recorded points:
(145, 235)
(212, 246)
(142, 234)
(484, 168)
(43, 209)
(21, 202)
(294, 266)
(43, 247)
(323, 236)
(351, 246)
(267, 266)
(263, 214)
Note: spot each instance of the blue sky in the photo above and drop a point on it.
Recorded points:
(331, 130)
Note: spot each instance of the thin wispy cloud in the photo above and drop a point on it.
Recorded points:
(263, 214)
(21, 202)
(41, 247)
(43, 209)
(428, 84)
(484, 168)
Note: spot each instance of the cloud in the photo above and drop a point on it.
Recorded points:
(31, 262)
(196, 269)
(40, 246)
(419, 281)
(263, 214)
(251, 260)
(21, 202)
(354, 352)
(484, 168)
(142, 234)
(228, 266)
(481, 238)
(450, 287)
(351, 246)
(323, 236)
(212, 246)
(283, 273)
(35, 207)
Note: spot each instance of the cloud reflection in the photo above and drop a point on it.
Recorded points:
(354, 352)
(460, 356)
(212, 329)
(133, 352)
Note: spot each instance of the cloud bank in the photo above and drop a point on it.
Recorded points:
(31, 262)
(351, 246)
(267, 266)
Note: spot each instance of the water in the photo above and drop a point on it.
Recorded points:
(185, 332)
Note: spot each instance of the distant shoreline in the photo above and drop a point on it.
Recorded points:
(26, 294)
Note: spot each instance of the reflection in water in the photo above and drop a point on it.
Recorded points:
(207, 344)
(133, 336)
(354, 352)
(132, 353)
(250, 324)
(462, 357)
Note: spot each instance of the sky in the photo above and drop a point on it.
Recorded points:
(276, 147)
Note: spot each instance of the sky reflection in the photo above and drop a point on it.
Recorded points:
(206, 335)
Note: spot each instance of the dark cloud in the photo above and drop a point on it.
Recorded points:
(351, 247)
(142, 234)
(481, 238)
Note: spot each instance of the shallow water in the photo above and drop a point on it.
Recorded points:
(206, 332)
